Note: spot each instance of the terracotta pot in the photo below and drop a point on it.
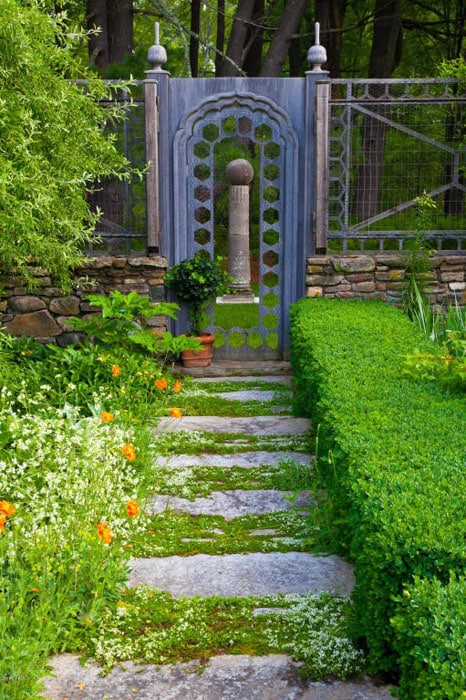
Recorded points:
(202, 357)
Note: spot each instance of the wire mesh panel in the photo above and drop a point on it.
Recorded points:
(122, 203)
(392, 142)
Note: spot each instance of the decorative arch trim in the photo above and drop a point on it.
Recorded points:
(245, 100)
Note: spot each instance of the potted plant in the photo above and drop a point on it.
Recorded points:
(196, 281)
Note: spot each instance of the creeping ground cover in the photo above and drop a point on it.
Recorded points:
(392, 467)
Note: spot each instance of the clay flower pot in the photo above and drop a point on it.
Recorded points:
(202, 357)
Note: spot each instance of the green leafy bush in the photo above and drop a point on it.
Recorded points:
(395, 474)
(197, 281)
(124, 323)
(430, 632)
(52, 142)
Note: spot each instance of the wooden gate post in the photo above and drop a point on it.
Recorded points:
(158, 56)
(316, 148)
(321, 196)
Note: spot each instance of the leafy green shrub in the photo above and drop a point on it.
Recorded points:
(51, 377)
(395, 474)
(124, 323)
(52, 142)
(64, 521)
(430, 632)
(197, 281)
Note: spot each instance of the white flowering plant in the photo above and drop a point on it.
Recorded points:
(70, 501)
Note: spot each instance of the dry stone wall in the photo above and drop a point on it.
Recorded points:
(44, 313)
(382, 276)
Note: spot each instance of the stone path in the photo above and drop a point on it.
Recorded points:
(274, 677)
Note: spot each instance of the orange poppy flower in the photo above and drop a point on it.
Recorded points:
(129, 452)
(177, 386)
(176, 412)
(6, 508)
(132, 508)
(107, 417)
(116, 370)
(2, 521)
(161, 384)
(104, 533)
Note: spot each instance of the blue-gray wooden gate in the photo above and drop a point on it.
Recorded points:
(276, 118)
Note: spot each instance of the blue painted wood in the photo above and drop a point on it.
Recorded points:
(284, 107)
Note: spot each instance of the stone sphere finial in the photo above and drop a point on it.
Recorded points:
(317, 53)
(157, 54)
(239, 172)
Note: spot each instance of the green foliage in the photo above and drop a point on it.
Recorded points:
(392, 462)
(53, 378)
(418, 264)
(200, 627)
(57, 576)
(52, 144)
(181, 534)
(430, 638)
(124, 324)
(448, 366)
(196, 281)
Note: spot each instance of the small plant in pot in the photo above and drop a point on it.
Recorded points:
(196, 281)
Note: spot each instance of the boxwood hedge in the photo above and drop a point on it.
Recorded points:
(396, 481)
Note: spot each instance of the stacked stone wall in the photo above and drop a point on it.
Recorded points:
(383, 276)
(44, 312)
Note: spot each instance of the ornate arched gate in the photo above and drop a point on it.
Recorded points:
(270, 122)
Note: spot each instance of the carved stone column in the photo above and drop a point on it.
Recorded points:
(239, 173)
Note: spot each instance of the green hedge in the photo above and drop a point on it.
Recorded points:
(395, 477)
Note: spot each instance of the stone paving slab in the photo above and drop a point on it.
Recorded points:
(274, 677)
(231, 504)
(276, 379)
(254, 425)
(244, 574)
(246, 460)
(242, 368)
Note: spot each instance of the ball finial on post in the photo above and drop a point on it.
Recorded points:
(157, 54)
(317, 55)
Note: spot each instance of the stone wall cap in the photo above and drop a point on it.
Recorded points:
(153, 261)
(353, 263)
(318, 260)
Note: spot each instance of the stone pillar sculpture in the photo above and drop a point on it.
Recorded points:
(239, 173)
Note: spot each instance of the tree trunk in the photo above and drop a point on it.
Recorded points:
(120, 29)
(194, 38)
(385, 56)
(96, 17)
(237, 40)
(331, 16)
(254, 41)
(220, 40)
(295, 59)
(281, 40)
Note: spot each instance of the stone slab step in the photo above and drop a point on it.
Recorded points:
(240, 368)
(246, 460)
(231, 504)
(244, 574)
(273, 677)
(286, 380)
(254, 425)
